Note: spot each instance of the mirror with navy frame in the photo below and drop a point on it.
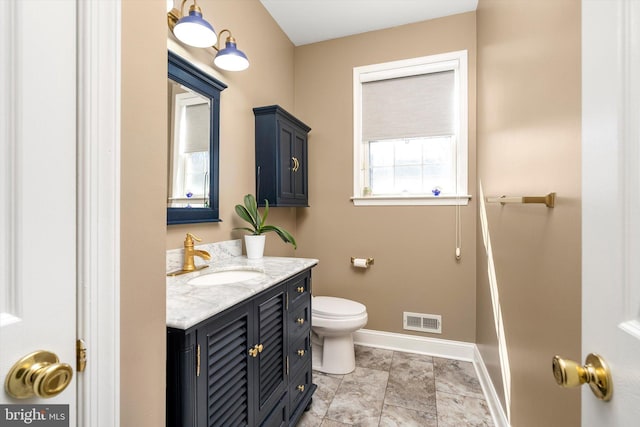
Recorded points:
(193, 143)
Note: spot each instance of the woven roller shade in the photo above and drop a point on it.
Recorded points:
(406, 107)
(197, 128)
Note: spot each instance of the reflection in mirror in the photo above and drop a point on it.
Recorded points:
(193, 143)
(188, 148)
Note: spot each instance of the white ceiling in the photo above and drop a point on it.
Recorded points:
(310, 21)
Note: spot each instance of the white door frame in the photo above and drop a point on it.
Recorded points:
(98, 302)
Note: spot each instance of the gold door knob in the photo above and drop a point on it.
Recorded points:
(595, 372)
(300, 388)
(300, 289)
(300, 320)
(259, 347)
(39, 373)
(301, 353)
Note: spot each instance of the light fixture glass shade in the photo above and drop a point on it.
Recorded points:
(230, 58)
(194, 30)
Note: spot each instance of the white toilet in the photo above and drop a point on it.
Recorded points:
(333, 321)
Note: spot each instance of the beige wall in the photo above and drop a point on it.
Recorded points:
(142, 215)
(415, 268)
(529, 144)
(267, 81)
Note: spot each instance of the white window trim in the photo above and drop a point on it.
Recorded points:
(427, 64)
(182, 101)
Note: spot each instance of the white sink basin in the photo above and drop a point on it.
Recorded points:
(225, 277)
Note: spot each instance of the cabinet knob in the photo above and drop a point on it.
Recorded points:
(300, 388)
(300, 289)
(300, 320)
(301, 353)
(258, 348)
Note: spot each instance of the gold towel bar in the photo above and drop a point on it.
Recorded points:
(549, 200)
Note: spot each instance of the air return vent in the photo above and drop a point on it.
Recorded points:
(423, 322)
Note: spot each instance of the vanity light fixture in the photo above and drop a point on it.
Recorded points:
(194, 30)
(230, 58)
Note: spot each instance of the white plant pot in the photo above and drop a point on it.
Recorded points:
(254, 245)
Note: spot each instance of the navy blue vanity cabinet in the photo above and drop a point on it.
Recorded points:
(234, 369)
(281, 157)
(301, 387)
(181, 378)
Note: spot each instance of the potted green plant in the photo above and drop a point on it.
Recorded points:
(254, 242)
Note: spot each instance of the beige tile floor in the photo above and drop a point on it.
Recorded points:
(390, 388)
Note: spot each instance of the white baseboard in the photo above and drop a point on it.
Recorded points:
(415, 344)
(497, 412)
(457, 350)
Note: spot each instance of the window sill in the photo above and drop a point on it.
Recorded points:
(411, 200)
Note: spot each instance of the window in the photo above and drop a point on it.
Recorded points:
(190, 184)
(410, 131)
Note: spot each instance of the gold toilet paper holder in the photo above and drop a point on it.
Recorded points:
(368, 261)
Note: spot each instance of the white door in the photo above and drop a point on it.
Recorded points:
(611, 204)
(38, 194)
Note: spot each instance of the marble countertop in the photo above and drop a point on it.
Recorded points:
(188, 305)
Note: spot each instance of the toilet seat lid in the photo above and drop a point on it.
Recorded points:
(333, 306)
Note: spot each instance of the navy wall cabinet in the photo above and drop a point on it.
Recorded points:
(281, 157)
(247, 366)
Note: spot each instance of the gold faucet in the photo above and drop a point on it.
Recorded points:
(189, 254)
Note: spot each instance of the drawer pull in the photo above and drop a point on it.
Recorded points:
(301, 353)
(300, 388)
(300, 321)
(300, 289)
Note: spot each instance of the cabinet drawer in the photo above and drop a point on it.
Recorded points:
(299, 354)
(299, 290)
(299, 387)
(299, 322)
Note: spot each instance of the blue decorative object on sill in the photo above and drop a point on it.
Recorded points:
(436, 191)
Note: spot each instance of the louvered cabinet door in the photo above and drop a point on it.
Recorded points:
(225, 392)
(271, 372)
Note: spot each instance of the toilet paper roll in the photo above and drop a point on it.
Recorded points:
(360, 263)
